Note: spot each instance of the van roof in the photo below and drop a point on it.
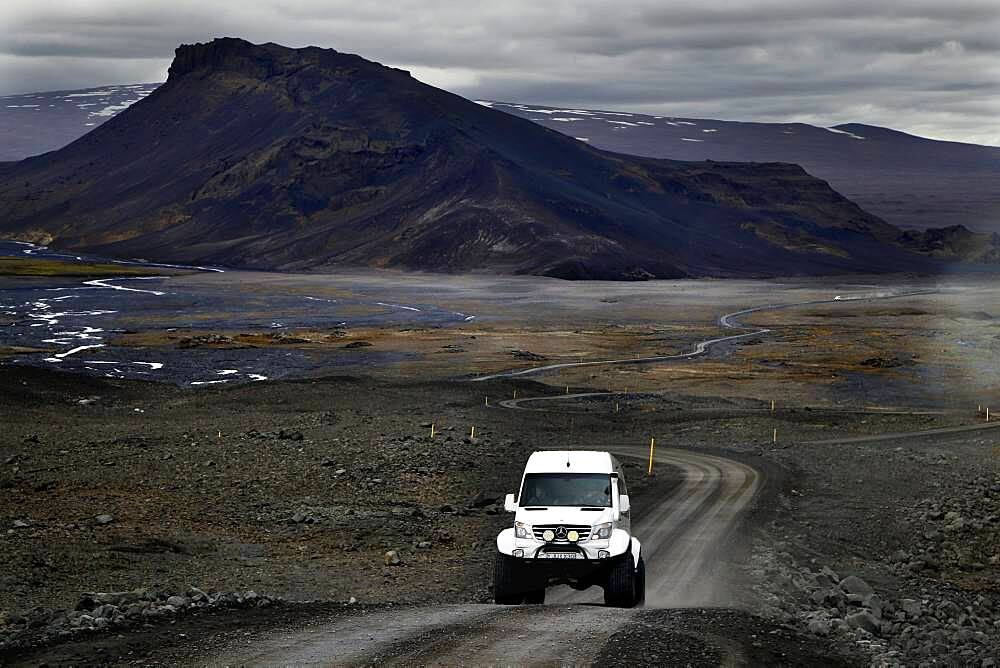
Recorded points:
(580, 461)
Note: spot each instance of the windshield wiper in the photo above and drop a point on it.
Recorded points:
(596, 510)
(534, 508)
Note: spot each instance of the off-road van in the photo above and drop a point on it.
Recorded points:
(571, 526)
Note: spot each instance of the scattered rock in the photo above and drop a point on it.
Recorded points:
(911, 607)
(104, 519)
(863, 620)
(392, 558)
(178, 602)
(855, 585)
(116, 610)
(820, 627)
(482, 499)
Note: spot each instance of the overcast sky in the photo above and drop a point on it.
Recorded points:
(927, 67)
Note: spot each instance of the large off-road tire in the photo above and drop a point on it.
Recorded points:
(640, 583)
(535, 596)
(505, 586)
(619, 590)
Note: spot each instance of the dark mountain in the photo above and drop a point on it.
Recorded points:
(908, 181)
(269, 157)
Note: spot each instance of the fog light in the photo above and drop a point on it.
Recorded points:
(519, 553)
(573, 536)
(603, 554)
(549, 535)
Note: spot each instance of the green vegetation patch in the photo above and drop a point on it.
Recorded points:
(49, 267)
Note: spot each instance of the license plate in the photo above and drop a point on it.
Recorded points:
(560, 555)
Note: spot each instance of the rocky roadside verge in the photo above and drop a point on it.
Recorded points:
(932, 604)
(111, 611)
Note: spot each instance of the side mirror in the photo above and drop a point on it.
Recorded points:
(623, 503)
(509, 504)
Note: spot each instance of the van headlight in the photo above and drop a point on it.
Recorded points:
(522, 530)
(602, 531)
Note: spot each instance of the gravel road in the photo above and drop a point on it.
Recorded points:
(684, 536)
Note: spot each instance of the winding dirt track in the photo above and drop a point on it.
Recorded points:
(685, 536)
(727, 321)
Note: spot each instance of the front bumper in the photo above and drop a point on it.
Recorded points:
(580, 573)
(533, 550)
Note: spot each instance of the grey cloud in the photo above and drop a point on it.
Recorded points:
(924, 66)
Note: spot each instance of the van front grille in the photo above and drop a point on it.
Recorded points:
(582, 529)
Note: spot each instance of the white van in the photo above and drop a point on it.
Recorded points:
(572, 526)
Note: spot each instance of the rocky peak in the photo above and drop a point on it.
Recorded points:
(233, 54)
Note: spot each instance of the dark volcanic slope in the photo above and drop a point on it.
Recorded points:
(909, 181)
(264, 156)
(906, 180)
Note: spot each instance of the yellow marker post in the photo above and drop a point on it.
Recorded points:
(472, 434)
(772, 405)
(432, 430)
(652, 444)
(774, 438)
(515, 393)
(487, 400)
(616, 407)
(567, 389)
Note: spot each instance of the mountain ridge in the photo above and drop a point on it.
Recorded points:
(908, 180)
(267, 157)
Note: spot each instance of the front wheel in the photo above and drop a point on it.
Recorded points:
(620, 589)
(535, 597)
(504, 581)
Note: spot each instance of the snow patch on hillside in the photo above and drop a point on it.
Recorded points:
(844, 132)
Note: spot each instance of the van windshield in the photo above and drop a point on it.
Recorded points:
(566, 489)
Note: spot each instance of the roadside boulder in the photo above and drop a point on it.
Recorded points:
(911, 607)
(178, 602)
(863, 620)
(482, 499)
(855, 585)
(197, 595)
(392, 558)
(820, 627)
